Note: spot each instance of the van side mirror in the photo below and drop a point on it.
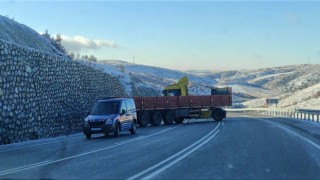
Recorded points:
(123, 112)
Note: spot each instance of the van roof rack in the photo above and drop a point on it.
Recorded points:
(106, 98)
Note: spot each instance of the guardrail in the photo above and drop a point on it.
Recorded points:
(303, 114)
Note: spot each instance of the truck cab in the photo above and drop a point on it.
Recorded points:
(178, 89)
(111, 115)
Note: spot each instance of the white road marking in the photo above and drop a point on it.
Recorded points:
(30, 165)
(40, 144)
(222, 123)
(294, 133)
(192, 148)
(43, 163)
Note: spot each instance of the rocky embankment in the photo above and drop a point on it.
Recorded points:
(45, 95)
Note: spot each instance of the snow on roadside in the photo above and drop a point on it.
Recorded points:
(308, 98)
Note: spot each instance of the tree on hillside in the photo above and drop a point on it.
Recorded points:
(56, 42)
(85, 57)
(46, 34)
(92, 58)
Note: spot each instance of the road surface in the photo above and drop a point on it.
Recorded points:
(240, 147)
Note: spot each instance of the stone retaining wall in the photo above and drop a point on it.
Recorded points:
(45, 95)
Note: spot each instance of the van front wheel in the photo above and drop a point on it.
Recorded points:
(116, 130)
(88, 136)
(133, 130)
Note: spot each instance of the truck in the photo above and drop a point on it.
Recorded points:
(177, 105)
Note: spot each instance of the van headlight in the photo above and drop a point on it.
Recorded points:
(109, 121)
(86, 122)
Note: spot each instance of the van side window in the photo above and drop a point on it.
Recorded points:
(123, 106)
(129, 106)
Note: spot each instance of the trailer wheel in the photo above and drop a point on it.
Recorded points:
(168, 118)
(217, 114)
(156, 118)
(144, 119)
(178, 120)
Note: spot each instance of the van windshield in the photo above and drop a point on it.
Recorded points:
(106, 107)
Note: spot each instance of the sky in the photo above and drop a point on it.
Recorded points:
(182, 35)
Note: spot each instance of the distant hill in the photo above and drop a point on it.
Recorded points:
(141, 80)
(250, 87)
(285, 79)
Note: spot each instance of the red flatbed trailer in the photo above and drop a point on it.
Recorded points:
(175, 108)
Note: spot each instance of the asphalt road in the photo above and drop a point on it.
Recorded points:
(240, 147)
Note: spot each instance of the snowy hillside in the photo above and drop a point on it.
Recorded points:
(251, 87)
(308, 98)
(17, 33)
(147, 80)
(284, 79)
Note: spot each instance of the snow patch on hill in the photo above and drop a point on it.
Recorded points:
(17, 33)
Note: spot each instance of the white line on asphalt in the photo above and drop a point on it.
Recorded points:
(130, 140)
(201, 142)
(14, 169)
(17, 148)
(181, 157)
(40, 144)
(222, 123)
(294, 133)
(18, 169)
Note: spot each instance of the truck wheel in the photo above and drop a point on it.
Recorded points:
(133, 130)
(156, 118)
(88, 136)
(168, 118)
(144, 119)
(178, 120)
(217, 114)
